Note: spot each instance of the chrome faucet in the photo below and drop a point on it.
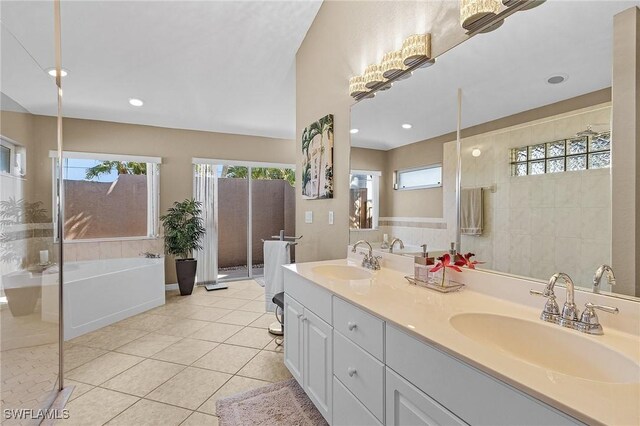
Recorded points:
(597, 277)
(588, 322)
(393, 242)
(369, 261)
(569, 311)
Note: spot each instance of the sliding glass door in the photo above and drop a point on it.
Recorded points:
(243, 204)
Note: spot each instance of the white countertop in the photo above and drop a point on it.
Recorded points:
(425, 314)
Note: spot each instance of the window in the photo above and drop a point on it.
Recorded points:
(565, 155)
(11, 158)
(109, 196)
(364, 199)
(418, 178)
(5, 159)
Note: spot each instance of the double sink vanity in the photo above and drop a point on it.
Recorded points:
(369, 348)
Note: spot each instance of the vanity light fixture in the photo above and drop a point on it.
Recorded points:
(407, 126)
(530, 5)
(395, 65)
(52, 72)
(416, 48)
(356, 86)
(392, 64)
(373, 76)
(354, 131)
(476, 152)
(136, 102)
(472, 11)
(483, 16)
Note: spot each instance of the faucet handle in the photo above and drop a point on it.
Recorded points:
(589, 322)
(551, 311)
(608, 309)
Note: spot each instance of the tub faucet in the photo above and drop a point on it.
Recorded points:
(150, 255)
(370, 261)
(597, 277)
(393, 242)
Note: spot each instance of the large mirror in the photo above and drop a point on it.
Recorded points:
(535, 156)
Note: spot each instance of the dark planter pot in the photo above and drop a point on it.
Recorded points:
(22, 301)
(186, 271)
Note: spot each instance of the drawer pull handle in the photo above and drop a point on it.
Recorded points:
(351, 371)
(351, 325)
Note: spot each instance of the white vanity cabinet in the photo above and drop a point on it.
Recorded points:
(308, 347)
(359, 369)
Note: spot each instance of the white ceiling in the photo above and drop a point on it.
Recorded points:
(501, 73)
(225, 66)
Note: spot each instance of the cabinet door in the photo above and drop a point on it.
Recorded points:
(318, 362)
(407, 405)
(293, 333)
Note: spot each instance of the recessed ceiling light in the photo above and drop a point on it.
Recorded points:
(476, 152)
(136, 102)
(557, 79)
(52, 72)
(354, 131)
(406, 126)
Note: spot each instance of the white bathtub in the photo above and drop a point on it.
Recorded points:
(98, 293)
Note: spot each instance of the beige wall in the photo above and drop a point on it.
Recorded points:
(417, 203)
(414, 203)
(345, 37)
(176, 147)
(626, 151)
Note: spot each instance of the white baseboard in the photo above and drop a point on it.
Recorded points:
(169, 287)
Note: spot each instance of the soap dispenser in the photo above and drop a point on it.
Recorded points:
(452, 252)
(422, 264)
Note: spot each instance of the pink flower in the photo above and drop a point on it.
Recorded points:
(445, 262)
(465, 260)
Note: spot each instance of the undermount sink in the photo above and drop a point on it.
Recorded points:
(563, 351)
(342, 272)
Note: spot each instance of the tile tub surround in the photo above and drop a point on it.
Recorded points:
(111, 249)
(171, 364)
(425, 315)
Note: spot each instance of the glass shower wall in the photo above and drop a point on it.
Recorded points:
(29, 251)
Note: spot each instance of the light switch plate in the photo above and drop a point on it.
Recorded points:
(330, 218)
(308, 217)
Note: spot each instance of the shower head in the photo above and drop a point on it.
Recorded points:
(588, 132)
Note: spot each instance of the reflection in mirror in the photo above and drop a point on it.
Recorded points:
(29, 255)
(536, 157)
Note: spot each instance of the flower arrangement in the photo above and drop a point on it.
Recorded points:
(461, 260)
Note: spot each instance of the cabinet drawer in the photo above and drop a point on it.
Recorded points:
(360, 372)
(470, 394)
(406, 405)
(347, 410)
(310, 295)
(362, 328)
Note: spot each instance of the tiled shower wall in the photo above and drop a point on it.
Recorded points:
(538, 225)
(111, 249)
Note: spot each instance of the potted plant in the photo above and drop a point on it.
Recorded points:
(183, 231)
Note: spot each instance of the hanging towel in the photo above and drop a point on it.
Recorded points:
(276, 254)
(471, 209)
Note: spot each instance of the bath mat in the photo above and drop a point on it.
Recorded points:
(260, 280)
(283, 403)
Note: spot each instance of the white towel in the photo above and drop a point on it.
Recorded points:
(276, 254)
(471, 211)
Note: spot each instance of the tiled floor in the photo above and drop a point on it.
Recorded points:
(169, 365)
